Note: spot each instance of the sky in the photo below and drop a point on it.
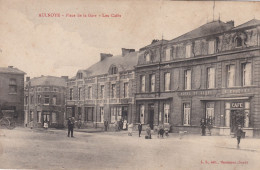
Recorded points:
(59, 46)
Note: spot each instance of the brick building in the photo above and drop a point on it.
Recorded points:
(11, 93)
(104, 91)
(44, 100)
(211, 72)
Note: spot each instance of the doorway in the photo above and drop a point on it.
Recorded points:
(237, 118)
(151, 115)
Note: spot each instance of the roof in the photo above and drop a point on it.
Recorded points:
(122, 63)
(253, 22)
(156, 44)
(48, 80)
(11, 70)
(210, 28)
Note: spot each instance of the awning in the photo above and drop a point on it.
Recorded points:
(154, 98)
(223, 98)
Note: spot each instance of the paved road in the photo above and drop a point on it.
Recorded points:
(52, 149)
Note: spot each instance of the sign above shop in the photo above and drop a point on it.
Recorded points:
(237, 105)
(198, 93)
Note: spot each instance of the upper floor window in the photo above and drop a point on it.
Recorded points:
(167, 54)
(80, 91)
(55, 89)
(39, 99)
(102, 87)
(113, 91)
(80, 75)
(46, 99)
(246, 74)
(54, 100)
(230, 75)
(26, 100)
(187, 79)
(167, 81)
(188, 51)
(71, 93)
(89, 92)
(126, 90)
(12, 86)
(46, 89)
(147, 57)
(142, 83)
(152, 82)
(211, 48)
(210, 77)
(238, 42)
(31, 99)
(113, 70)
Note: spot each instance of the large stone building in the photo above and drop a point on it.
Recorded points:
(11, 93)
(211, 72)
(44, 101)
(104, 91)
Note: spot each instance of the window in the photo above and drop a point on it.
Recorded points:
(55, 89)
(101, 114)
(230, 75)
(152, 83)
(53, 117)
(89, 114)
(113, 114)
(141, 114)
(227, 114)
(119, 113)
(125, 90)
(54, 100)
(188, 51)
(247, 111)
(12, 86)
(246, 74)
(39, 99)
(113, 91)
(210, 112)
(211, 48)
(39, 89)
(166, 112)
(89, 92)
(167, 54)
(80, 75)
(26, 100)
(113, 70)
(46, 89)
(39, 117)
(46, 99)
(71, 93)
(238, 42)
(31, 99)
(187, 79)
(210, 78)
(186, 116)
(31, 115)
(102, 91)
(147, 57)
(142, 83)
(167, 81)
(80, 91)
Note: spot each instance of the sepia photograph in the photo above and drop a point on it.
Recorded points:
(131, 85)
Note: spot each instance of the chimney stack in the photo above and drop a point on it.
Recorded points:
(231, 23)
(104, 55)
(10, 66)
(126, 51)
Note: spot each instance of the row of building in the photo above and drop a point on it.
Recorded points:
(211, 72)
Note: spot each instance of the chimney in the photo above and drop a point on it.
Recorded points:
(10, 66)
(231, 23)
(27, 79)
(65, 77)
(127, 51)
(104, 55)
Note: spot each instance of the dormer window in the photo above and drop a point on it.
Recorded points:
(80, 75)
(167, 54)
(113, 70)
(147, 57)
(211, 47)
(188, 51)
(238, 42)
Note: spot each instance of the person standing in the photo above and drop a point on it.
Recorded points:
(203, 127)
(140, 128)
(70, 127)
(239, 134)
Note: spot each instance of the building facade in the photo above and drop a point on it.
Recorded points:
(44, 101)
(11, 93)
(104, 92)
(209, 73)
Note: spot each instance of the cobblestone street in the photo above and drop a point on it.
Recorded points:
(52, 149)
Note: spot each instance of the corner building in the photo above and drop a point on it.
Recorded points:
(211, 72)
(104, 91)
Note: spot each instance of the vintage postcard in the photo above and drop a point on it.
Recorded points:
(143, 84)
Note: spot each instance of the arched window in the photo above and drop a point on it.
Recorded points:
(238, 42)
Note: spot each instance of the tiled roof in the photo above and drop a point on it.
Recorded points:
(122, 63)
(48, 81)
(213, 27)
(250, 23)
(11, 70)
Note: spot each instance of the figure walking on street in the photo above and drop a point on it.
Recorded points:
(140, 128)
(70, 127)
(239, 134)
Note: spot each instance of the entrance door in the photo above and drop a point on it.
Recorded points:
(46, 117)
(125, 113)
(151, 115)
(237, 118)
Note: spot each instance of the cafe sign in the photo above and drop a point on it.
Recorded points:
(237, 105)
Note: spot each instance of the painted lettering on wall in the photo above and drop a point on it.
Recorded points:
(237, 105)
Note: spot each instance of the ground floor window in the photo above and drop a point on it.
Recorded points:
(116, 114)
(166, 112)
(113, 114)
(54, 117)
(210, 113)
(31, 115)
(39, 117)
(186, 114)
(46, 117)
(102, 114)
(141, 108)
(89, 114)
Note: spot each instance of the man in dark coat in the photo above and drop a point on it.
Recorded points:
(203, 127)
(239, 134)
(70, 127)
(140, 128)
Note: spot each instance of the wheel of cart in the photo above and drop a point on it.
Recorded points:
(7, 122)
